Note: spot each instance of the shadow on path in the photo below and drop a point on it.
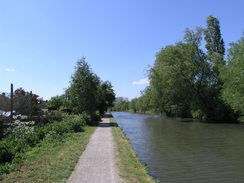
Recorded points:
(106, 125)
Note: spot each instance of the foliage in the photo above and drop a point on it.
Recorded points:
(216, 108)
(51, 161)
(83, 91)
(107, 96)
(185, 80)
(233, 78)
(214, 41)
(56, 102)
(25, 102)
(87, 98)
(171, 79)
(24, 136)
(143, 103)
(4, 102)
(87, 93)
(198, 114)
(20, 129)
(121, 104)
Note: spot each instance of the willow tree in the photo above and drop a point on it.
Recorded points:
(233, 78)
(172, 78)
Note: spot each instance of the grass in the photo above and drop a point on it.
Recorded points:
(131, 170)
(51, 161)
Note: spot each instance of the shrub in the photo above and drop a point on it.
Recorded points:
(197, 114)
(94, 119)
(23, 135)
(6, 152)
(21, 129)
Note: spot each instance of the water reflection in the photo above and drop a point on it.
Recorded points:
(186, 151)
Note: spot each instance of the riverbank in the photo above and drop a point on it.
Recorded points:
(54, 160)
(131, 170)
(181, 119)
(51, 161)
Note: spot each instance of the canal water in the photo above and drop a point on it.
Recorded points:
(186, 152)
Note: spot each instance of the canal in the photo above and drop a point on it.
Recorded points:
(185, 152)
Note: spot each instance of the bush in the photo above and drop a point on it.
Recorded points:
(94, 119)
(6, 153)
(25, 135)
(20, 129)
(197, 114)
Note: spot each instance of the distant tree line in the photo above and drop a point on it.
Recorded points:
(87, 93)
(189, 81)
(121, 104)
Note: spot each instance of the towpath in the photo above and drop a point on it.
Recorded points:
(97, 163)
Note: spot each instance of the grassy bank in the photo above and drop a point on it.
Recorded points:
(51, 161)
(131, 170)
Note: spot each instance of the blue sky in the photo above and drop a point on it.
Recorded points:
(40, 41)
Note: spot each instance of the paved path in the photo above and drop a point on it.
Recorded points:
(97, 163)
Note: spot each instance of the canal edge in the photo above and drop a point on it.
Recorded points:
(131, 169)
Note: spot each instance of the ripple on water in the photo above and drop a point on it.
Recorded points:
(178, 151)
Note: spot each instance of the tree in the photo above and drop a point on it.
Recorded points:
(4, 102)
(214, 40)
(87, 92)
(56, 102)
(24, 102)
(133, 106)
(233, 78)
(83, 91)
(185, 80)
(172, 79)
(143, 103)
(217, 109)
(121, 104)
(202, 105)
(107, 97)
(215, 47)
